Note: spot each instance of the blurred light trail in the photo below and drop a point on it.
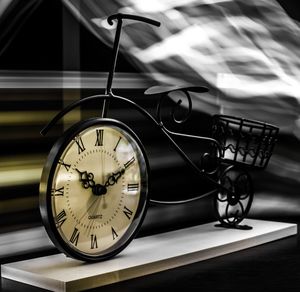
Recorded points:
(33, 240)
(4, 5)
(246, 52)
(13, 14)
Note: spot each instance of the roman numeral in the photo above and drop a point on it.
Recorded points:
(80, 144)
(132, 187)
(94, 243)
(99, 137)
(129, 162)
(60, 218)
(75, 236)
(117, 143)
(67, 166)
(57, 192)
(114, 233)
(127, 212)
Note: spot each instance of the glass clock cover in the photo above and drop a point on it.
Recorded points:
(94, 189)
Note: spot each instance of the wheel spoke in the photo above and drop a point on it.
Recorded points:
(222, 199)
(226, 213)
(242, 208)
(246, 190)
(223, 195)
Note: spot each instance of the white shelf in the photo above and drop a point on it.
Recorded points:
(145, 256)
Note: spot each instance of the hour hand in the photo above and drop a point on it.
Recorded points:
(87, 179)
(114, 177)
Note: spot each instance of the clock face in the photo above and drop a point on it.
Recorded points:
(96, 189)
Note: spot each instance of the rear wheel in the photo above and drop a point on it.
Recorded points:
(232, 204)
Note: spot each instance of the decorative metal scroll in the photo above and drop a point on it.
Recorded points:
(231, 208)
(208, 160)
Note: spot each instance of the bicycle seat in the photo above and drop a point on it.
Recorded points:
(159, 89)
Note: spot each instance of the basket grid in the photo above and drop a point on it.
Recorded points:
(243, 141)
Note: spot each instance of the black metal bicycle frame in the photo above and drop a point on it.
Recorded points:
(110, 96)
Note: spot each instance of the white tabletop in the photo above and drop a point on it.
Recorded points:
(145, 256)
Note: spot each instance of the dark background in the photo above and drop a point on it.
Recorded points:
(39, 41)
(41, 44)
(38, 46)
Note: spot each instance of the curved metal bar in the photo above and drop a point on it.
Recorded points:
(112, 97)
(186, 90)
(187, 116)
(68, 108)
(120, 16)
(190, 106)
(242, 208)
(158, 202)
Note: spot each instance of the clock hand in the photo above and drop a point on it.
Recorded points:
(87, 180)
(114, 177)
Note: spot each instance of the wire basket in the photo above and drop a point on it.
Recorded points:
(243, 141)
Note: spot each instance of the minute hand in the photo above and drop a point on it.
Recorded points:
(114, 177)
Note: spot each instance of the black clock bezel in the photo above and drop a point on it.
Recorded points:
(46, 186)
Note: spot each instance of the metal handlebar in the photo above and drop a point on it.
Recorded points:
(120, 16)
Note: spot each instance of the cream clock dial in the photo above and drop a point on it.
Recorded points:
(94, 189)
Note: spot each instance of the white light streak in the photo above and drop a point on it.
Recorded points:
(3, 5)
(246, 52)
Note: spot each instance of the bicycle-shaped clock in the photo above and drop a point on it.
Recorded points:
(95, 182)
